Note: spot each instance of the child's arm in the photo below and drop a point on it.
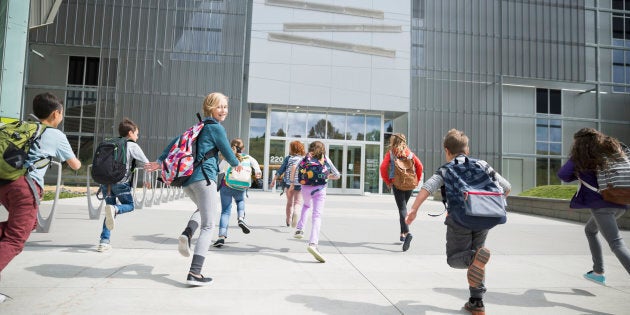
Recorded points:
(256, 167)
(74, 163)
(334, 173)
(280, 171)
(293, 175)
(384, 169)
(423, 194)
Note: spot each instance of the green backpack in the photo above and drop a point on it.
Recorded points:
(16, 139)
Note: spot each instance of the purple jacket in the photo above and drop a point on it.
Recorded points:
(585, 197)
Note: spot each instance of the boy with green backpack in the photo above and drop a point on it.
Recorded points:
(21, 185)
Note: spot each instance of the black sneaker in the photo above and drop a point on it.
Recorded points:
(243, 226)
(198, 280)
(219, 243)
(407, 242)
(475, 307)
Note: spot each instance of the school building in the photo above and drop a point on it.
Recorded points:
(518, 76)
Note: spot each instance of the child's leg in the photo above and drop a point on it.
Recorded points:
(606, 219)
(123, 193)
(591, 230)
(401, 198)
(110, 199)
(319, 199)
(19, 201)
(226, 209)
(289, 206)
(239, 199)
(308, 201)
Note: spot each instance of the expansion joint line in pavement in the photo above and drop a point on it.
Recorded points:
(361, 273)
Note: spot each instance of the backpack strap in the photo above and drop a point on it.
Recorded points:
(208, 154)
(588, 185)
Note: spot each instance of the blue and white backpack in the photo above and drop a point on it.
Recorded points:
(240, 180)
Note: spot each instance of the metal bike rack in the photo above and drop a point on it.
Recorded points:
(139, 204)
(149, 178)
(156, 183)
(94, 213)
(43, 224)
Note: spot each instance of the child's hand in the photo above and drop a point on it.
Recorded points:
(238, 168)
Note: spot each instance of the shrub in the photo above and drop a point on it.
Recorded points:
(551, 191)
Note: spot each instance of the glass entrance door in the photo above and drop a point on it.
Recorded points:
(348, 159)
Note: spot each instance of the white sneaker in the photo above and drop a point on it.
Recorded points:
(110, 215)
(299, 234)
(184, 245)
(103, 247)
(313, 250)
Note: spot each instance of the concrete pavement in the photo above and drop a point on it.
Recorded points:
(536, 265)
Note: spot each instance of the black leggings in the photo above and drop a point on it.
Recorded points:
(402, 197)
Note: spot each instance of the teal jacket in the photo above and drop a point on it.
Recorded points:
(211, 136)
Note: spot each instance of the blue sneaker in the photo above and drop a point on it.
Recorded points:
(599, 279)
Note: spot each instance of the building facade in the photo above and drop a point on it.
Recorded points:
(519, 77)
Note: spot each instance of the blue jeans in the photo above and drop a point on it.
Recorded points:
(227, 194)
(604, 220)
(123, 193)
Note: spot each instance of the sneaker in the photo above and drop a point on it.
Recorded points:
(198, 280)
(294, 219)
(103, 247)
(407, 242)
(219, 242)
(184, 245)
(299, 234)
(402, 238)
(312, 248)
(599, 279)
(110, 215)
(243, 226)
(475, 308)
(476, 270)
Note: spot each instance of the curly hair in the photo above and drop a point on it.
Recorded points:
(592, 149)
(398, 143)
(317, 149)
(296, 148)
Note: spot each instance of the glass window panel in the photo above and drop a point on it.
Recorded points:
(87, 125)
(91, 71)
(278, 123)
(276, 155)
(555, 148)
(316, 125)
(618, 57)
(71, 124)
(373, 128)
(618, 42)
(618, 74)
(336, 126)
(542, 130)
(554, 167)
(627, 31)
(335, 154)
(542, 166)
(75, 70)
(555, 130)
(555, 102)
(542, 148)
(389, 126)
(356, 127)
(542, 101)
(617, 4)
(296, 125)
(257, 124)
(73, 99)
(627, 62)
(617, 26)
(372, 163)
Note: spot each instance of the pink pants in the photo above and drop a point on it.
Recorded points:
(314, 197)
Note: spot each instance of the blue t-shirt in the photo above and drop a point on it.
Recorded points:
(53, 143)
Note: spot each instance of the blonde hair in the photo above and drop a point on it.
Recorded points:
(237, 146)
(456, 141)
(398, 143)
(211, 102)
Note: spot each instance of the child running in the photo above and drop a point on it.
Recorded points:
(465, 234)
(315, 169)
(121, 190)
(294, 197)
(228, 193)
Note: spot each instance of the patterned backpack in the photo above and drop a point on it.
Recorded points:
(180, 163)
(311, 172)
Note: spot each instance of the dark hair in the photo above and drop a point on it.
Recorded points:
(456, 141)
(591, 149)
(46, 103)
(317, 149)
(237, 146)
(125, 126)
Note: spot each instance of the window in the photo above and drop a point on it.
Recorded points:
(548, 101)
(621, 38)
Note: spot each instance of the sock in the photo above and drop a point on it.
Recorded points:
(192, 227)
(188, 232)
(197, 264)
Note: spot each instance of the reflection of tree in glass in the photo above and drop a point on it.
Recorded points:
(279, 133)
(320, 128)
(374, 135)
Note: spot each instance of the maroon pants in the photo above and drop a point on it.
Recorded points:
(17, 197)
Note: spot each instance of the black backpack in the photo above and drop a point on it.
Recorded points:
(110, 161)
